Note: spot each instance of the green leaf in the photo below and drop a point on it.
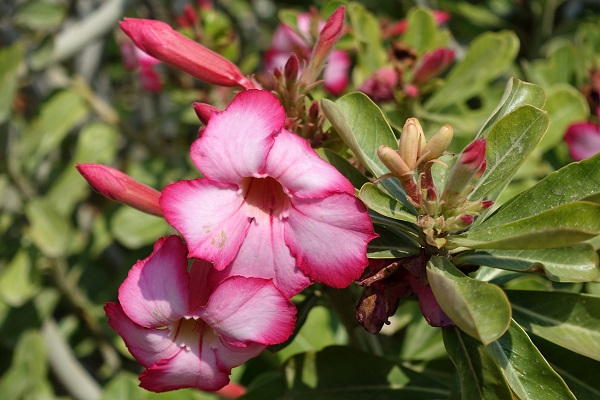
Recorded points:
(563, 225)
(363, 127)
(339, 372)
(467, 301)
(392, 244)
(526, 370)
(342, 165)
(367, 32)
(579, 372)
(576, 263)
(17, 284)
(565, 105)
(570, 320)
(124, 386)
(422, 33)
(40, 15)
(489, 55)
(10, 59)
(516, 94)
(480, 376)
(511, 139)
(576, 181)
(384, 204)
(49, 230)
(135, 229)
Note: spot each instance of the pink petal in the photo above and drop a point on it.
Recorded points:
(583, 140)
(336, 72)
(232, 355)
(250, 310)
(208, 216)
(201, 285)
(236, 141)
(148, 346)
(155, 292)
(264, 254)
(193, 367)
(329, 238)
(294, 164)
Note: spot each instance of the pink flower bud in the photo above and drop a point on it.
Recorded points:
(583, 140)
(163, 42)
(291, 68)
(486, 204)
(232, 390)
(467, 167)
(467, 219)
(188, 18)
(431, 64)
(473, 156)
(329, 36)
(380, 86)
(122, 188)
(204, 111)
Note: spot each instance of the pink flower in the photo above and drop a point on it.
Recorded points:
(134, 58)
(380, 86)
(268, 205)
(431, 64)
(171, 47)
(188, 332)
(120, 187)
(286, 41)
(583, 140)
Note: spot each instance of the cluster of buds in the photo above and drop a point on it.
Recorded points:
(411, 164)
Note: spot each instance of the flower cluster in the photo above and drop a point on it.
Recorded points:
(267, 218)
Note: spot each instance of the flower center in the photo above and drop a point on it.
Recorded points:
(187, 332)
(264, 198)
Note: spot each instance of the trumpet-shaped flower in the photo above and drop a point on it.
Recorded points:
(189, 332)
(268, 206)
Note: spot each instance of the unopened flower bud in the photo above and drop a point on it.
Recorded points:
(431, 64)
(486, 204)
(291, 68)
(411, 140)
(390, 158)
(120, 187)
(204, 111)
(437, 145)
(467, 219)
(466, 168)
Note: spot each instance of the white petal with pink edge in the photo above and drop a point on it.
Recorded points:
(148, 346)
(155, 292)
(264, 254)
(236, 141)
(195, 366)
(208, 216)
(250, 310)
(296, 166)
(329, 238)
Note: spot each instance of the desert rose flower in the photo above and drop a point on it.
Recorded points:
(583, 140)
(188, 332)
(268, 206)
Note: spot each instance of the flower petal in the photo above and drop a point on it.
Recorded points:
(155, 292)
(148, 346)
(329, 238)
(335, 74)
(583, 140)
(301, 172)
(195, 366)
(250, 310)
(208, 216)
(264, 254)
(236, 141)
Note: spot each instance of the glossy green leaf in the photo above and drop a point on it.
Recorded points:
(580, 373)
(576, 181)
(363, 127)
(339, 372)
(392, 244)
(11, 58)
(570, 320)
(49, 230)
(516, 94)
(526, 370)
(489, 55)
(510, 140)
(342, 165)
(480, 376)
(134, 228)
(384, 204)
(422, 33)
(561, 226)
(576, 263)
(467, 301)
(565, 105)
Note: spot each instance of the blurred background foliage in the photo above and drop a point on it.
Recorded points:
(67, 97)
